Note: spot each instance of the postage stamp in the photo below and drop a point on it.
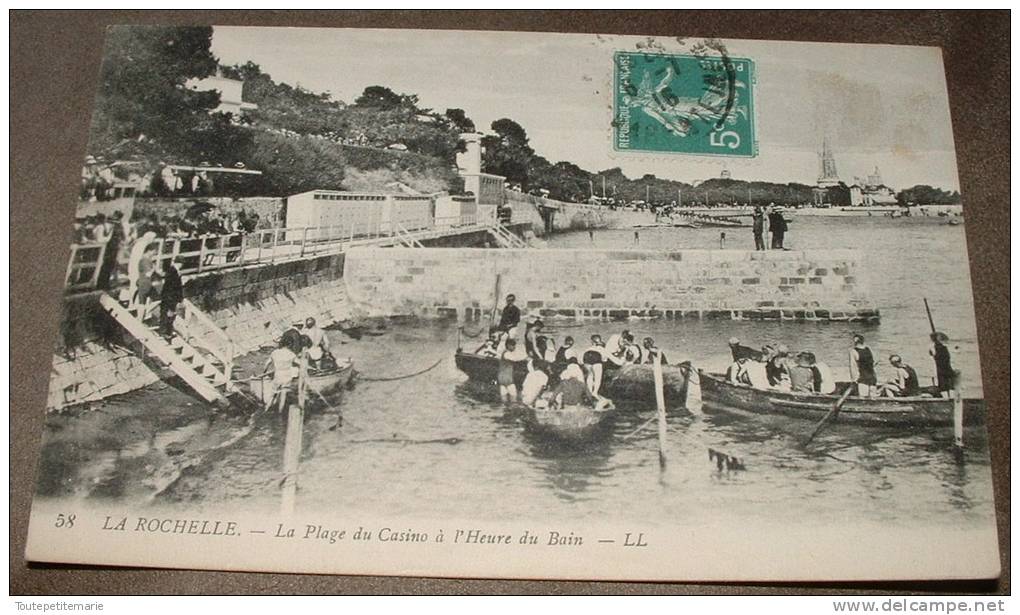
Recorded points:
(684, 104)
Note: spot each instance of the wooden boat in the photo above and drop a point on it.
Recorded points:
(571, 424)
(323, 385)
(628, 382)
(920, 411)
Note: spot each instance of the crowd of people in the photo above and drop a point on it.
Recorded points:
(122, 237)
(776, 367)
(559, 374)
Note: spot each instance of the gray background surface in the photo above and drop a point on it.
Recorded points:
(54, 63)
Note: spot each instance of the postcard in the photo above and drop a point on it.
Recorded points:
(517, 305)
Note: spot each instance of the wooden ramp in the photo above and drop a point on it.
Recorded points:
(204, 373)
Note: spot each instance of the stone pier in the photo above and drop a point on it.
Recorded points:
(584, 283)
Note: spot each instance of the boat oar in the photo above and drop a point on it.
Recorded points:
(835, 410)
(931, 321)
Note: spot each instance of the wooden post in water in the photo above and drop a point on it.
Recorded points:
(660, 403)
(292, 443)
(957, 412)
(692, 391)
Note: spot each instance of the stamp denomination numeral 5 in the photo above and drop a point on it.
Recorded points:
(65, 521)
(727, 138)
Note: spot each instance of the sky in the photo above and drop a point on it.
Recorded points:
(878, 105)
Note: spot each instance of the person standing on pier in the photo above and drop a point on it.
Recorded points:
(944, 374)
(777, 225)
(170, 297)
(758, 228)
(862, 367)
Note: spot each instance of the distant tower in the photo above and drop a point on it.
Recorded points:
(875, 179)
(829, 176)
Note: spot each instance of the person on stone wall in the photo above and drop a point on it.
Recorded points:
(758, 228)
(778, 227)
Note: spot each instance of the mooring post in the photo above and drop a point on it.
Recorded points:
(957, 413)
(292, 442)
(660, 402)
(692, 391)
(722, 240)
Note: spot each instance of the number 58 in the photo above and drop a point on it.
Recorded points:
(727, 138)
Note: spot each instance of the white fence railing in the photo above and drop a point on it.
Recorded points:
(195, 255)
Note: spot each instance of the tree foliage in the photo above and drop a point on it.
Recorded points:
(142, 93)
(923, 194)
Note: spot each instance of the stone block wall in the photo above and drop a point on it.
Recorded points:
(95, 359)
(585, 283)
(92, 371)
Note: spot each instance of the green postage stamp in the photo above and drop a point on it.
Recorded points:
(684, 104)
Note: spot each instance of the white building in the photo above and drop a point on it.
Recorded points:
(230, 94)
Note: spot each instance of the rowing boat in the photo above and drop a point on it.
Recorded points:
(323, 385)
(570, 424)
(629, 382)
(919, 411)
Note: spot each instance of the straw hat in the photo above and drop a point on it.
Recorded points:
(940, 336)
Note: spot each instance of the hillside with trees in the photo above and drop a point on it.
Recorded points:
(302, 140)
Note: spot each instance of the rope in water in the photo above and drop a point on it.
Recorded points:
(412, 375)
(645, 424)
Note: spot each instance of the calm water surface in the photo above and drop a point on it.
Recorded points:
(488, 466)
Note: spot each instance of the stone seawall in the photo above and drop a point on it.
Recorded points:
(254, 304)
(583, 283)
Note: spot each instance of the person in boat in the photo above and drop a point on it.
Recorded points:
(594, 360)
(511, 315)
(777, 367)
(825, 383)
(318, 350)
(294, 339)
(490, 348)
(862, 367)
(944, 373)
(649, 350)
(618, 343)
(738, 350)
(534, 383)
(532, 333)
(755, 375)
(551, 350)
(572, 390)
(563, 355)
(735, 374)
(802, 377)
(283, 363)
(904, 381)
(505, 375)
